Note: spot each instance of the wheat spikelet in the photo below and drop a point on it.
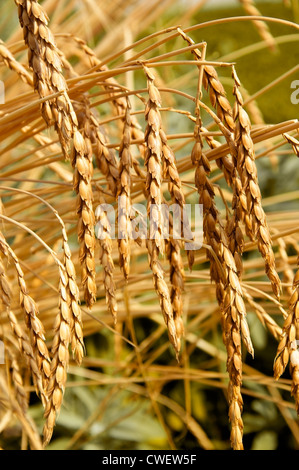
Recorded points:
(247, 169)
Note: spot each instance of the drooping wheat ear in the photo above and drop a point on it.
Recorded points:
(110, 83)
(288, 348)
(22, 338)
(124, 196)
(5, 290)
(46, 65)
(261, 26)
(60, 357)
(119, 102)
(287, 271)
(155, 240)
(257, 225)
(16, 377)
(105, 157)
(177, 279)
(215, 88)
(33, 323)
(228, 289)
(26, 349)
(77, 340)
(83, 171)
(174, 245)
(294, 143)
(14, 65)
(106, 259)
(44, 59)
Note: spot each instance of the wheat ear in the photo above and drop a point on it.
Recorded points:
(124, 195)
(14, 65)
(60, 358)
(257, 226)
(174, 245)
(31, 316)
(288, 347)
(261, 26)
(214, 86)
(45, 61)
(155, 241)
(16, 378)
(106, 259)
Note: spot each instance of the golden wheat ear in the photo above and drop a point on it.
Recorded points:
(153, 163)
(258, 226)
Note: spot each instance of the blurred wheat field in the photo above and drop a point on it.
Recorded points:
(141, 344)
